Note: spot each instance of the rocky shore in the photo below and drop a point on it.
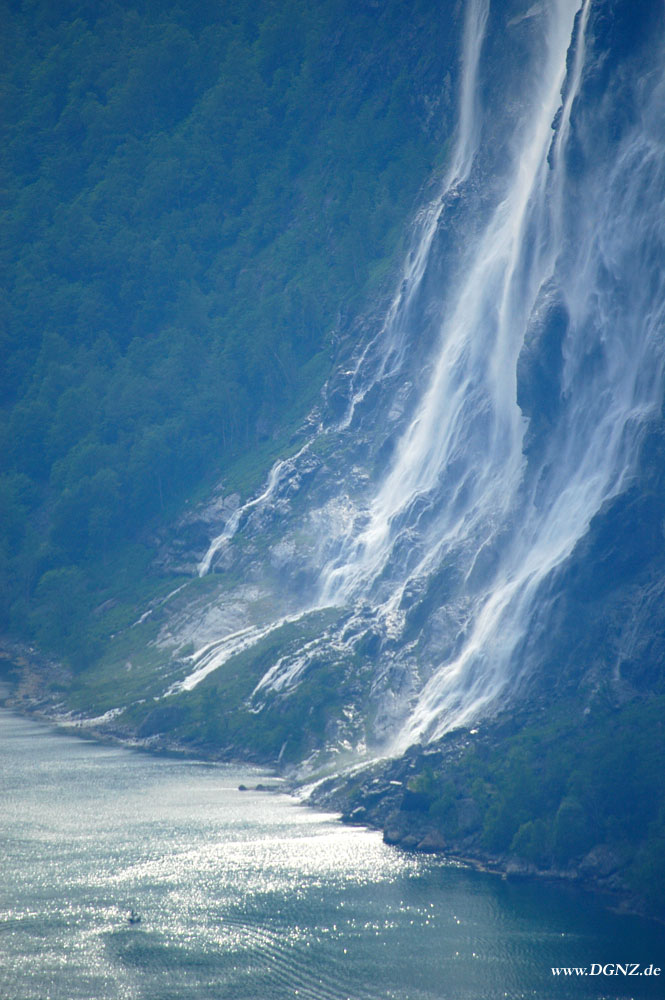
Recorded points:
(379, 796)
(35, 681)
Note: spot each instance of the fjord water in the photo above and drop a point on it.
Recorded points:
(500, 405)
(248, 896)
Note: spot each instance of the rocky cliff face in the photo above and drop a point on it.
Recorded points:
(475, 510)
(458, 566)
(471, 519)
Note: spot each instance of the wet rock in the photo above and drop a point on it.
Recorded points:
(600, 862)
(161, 720)
(516, 866)
(392, 835)
(412, 831)
(432, 842)
(357, 815)
(183, 545)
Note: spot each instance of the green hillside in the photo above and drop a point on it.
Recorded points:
(194, 199)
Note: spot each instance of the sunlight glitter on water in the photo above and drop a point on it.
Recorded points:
(246, 896)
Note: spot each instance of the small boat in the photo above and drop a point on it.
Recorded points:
(134, 917)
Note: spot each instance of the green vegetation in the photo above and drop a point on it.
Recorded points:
(216, 718)
(194, 197)
(552, 792)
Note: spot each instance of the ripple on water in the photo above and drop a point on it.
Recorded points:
(245, 896)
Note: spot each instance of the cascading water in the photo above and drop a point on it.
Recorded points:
(502, 403)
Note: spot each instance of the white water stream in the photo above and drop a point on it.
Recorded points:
(562, 240)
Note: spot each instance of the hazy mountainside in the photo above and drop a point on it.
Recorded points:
(476, 507)
(194, 198)
(462, 548)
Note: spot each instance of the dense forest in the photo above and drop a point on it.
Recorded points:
(563, 793)
(197, 202)
(194, 198)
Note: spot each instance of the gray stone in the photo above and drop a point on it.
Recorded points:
(432, 842)
(600, 862)
(469, 816)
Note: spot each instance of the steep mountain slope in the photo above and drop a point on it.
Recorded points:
(482, 456)
(466, 535)
(194, 199)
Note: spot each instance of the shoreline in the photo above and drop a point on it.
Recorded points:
(416, 837)
(25, 673)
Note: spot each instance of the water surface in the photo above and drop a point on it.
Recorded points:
(250, 896)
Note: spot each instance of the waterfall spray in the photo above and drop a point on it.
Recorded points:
(542, 232)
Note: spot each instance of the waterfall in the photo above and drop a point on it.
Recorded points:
(509, 384)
